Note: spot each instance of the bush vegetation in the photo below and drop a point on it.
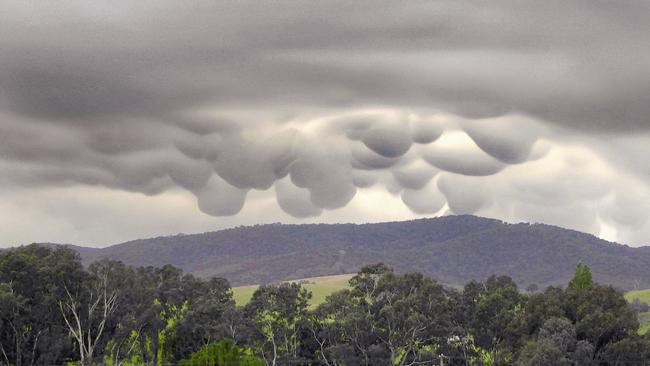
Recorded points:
(54, 311)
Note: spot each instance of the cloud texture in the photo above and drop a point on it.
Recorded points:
(533, 111)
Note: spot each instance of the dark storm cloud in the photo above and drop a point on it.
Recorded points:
(313, 101)
(580, 64)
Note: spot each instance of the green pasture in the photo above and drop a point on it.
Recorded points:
(644, 318)
(642, 295)
(319, 291)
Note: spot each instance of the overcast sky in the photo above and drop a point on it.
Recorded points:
(123, 119)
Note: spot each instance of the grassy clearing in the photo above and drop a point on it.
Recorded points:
(644, 318)
(243, 294)
(320, 288)
(642, 295)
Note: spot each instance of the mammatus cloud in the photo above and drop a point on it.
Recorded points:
(525, 111)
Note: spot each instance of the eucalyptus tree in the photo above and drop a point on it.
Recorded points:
(275, 313)
(211, 315)
(384, 319)
(32, 280)
(412, 317)
(496, 323)
(600, 313)
(342, 330)
(90, 307)
(160, 301)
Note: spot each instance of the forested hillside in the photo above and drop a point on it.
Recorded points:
(453, 249)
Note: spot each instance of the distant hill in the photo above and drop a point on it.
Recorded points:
(85, 252)
(452, 249)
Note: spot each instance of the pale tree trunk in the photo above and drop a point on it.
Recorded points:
(4, 354)
(101, 306)
(271, 338)
(321, 346)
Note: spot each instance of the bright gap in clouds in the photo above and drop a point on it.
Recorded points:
(608, 232)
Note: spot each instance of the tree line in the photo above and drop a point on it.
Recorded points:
(53, 311)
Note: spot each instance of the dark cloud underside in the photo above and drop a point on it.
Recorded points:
(441, 104)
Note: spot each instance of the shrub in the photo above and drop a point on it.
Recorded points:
(222, 353)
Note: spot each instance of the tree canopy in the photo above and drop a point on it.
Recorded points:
(55, 311)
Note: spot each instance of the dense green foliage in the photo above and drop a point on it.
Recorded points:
(54, 311)
(583, 278)
(221, 353)
(451, 249)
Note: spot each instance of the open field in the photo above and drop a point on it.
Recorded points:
(320, 287)
(644, 318)
(642, 295)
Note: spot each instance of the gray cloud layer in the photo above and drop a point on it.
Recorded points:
(580, 64)
(436, 102)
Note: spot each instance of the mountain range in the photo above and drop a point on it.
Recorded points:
(452, 249)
